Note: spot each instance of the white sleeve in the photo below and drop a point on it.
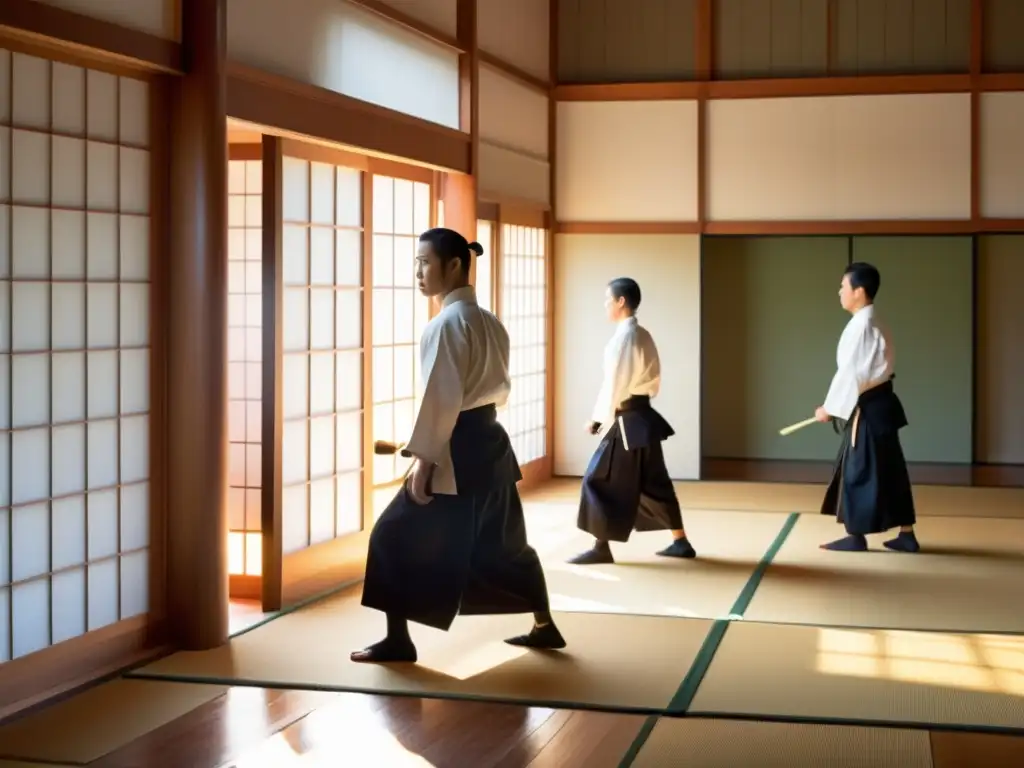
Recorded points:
(444, 356)
(854, 371)
(618, 372)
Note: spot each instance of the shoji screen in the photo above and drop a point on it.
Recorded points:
(74, 351)
(524, 311)
(245, 366)
(401, 211)
(322, 317)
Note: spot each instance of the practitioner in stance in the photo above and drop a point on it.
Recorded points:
(454, 538)
(627, 486)
(870, 490)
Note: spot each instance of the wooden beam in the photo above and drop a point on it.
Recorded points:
(525, 78)
(305, 110)
(866, 85)
(848, 227)
(977, 41)
(627, 227)
(628, 91)
(791, 227)
(58, 28)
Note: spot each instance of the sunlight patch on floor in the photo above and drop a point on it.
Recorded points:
(983, 663)
(479, 660)
(375, 746)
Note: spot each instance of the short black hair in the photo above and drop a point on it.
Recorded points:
(626, 288)
(449, 244)
(866, 276)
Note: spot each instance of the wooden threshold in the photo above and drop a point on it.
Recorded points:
(780, 471)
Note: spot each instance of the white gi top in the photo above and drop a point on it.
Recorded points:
(865, 358)
(464, 354)
(631, 367)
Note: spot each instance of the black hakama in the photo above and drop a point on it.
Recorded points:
(464, 554)
(627, 486)
(870, 490)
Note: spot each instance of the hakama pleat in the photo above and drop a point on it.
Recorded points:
(461, 554)
(627, 486)
(870, 491)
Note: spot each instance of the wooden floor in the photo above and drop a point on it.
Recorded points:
(250, 727)
(257, 727)
(261, 728)
(973, 475)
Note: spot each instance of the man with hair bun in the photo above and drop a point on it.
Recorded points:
(453, 541)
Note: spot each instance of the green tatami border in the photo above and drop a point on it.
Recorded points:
(688, 687)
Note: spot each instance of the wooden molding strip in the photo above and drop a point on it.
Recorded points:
(64, 667)
(628, 91)
(46, 24)
(318, 153)
(791, 87)
(270, 100)
(856, 227)
(794, 228)
(388, 12)
(525, 78)
(627, 228)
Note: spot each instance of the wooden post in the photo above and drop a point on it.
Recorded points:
(197, 564)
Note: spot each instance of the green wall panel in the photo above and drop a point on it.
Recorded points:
(926, 299)
(771, 319)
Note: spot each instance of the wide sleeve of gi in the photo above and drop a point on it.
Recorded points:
(619, 360)
(855, 357)
(444, 354)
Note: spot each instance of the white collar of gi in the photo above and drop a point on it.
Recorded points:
(465, 293)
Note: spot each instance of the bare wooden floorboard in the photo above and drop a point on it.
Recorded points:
(257, 726)
(219, 731)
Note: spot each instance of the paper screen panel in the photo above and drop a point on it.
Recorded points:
(401, 212)
(74, 351)
(322, 394)
(524, 290)
(348, 50)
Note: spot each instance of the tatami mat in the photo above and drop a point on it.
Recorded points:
(100, 720)
(612, 662)
(700, 743)
(930, 500)
(865, 676)
(729, 547)
(967, 578)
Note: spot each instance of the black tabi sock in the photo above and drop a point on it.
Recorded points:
(600, 553)
(905, 541)
(855, 542)
(544, 637)
(679, 548)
